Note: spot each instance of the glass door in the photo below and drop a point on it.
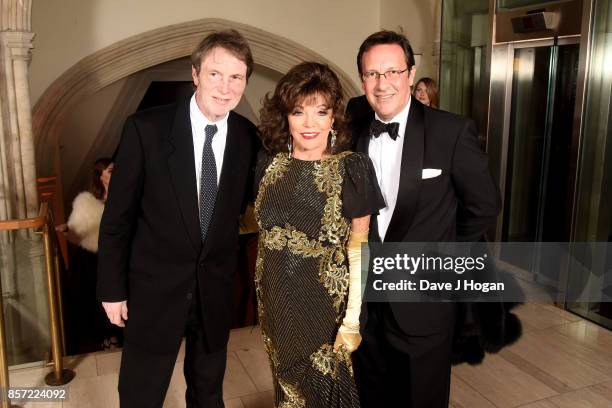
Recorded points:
(538, 186)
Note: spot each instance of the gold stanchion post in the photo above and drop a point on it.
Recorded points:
(59, 375)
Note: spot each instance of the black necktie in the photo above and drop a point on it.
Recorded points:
(377, 128)
(208, 181)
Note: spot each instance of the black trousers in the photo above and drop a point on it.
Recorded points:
(394, 369)
(144, 377)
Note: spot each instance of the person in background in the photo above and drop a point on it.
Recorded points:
(89, 329)
(426, 92)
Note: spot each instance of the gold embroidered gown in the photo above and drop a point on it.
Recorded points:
(303, 209)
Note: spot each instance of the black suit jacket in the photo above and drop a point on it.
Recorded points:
(458, 205)
(150, 248)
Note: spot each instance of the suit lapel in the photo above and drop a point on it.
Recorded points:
(181, 166)
(410, 176)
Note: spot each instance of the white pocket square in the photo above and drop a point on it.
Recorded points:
(431, 173)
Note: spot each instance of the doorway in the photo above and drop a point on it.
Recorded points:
(541, 118)
(539, 172)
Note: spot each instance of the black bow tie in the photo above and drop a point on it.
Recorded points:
(377, 128)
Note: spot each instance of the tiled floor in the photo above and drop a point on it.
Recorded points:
(562, 361)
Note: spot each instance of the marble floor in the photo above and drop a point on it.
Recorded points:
(562, 361)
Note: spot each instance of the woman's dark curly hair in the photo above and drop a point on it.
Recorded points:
(303, 81)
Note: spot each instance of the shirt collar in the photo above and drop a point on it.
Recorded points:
(201, 120)
(401, 118)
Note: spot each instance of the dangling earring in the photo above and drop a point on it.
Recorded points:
(290, 146)
(334, 133)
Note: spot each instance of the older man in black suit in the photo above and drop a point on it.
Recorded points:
(169, 233)
(437, 187)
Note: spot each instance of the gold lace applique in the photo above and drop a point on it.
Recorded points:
(329, 181)
(272, 353)
(327, 361)
(274, 171)
(259, 261)
(276, 238)
(300, 244)
(293, 396)
(333, 272)
(297, 241)
(277, 168)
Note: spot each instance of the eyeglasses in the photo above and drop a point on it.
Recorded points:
(391, 75)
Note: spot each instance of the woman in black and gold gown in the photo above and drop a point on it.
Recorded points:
(313, 209)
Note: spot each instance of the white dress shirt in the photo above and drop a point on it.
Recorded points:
(386, 155)
(198, 124)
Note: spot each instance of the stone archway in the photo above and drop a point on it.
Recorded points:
(145, 50)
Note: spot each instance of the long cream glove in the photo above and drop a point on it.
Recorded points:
(348, 334)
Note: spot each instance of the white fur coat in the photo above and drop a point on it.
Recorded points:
(85, 219)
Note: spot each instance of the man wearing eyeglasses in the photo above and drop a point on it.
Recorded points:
(437, 187)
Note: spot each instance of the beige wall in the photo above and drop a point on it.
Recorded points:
(82, 127)
(419, 20)
(68, 30)
(262, 81)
